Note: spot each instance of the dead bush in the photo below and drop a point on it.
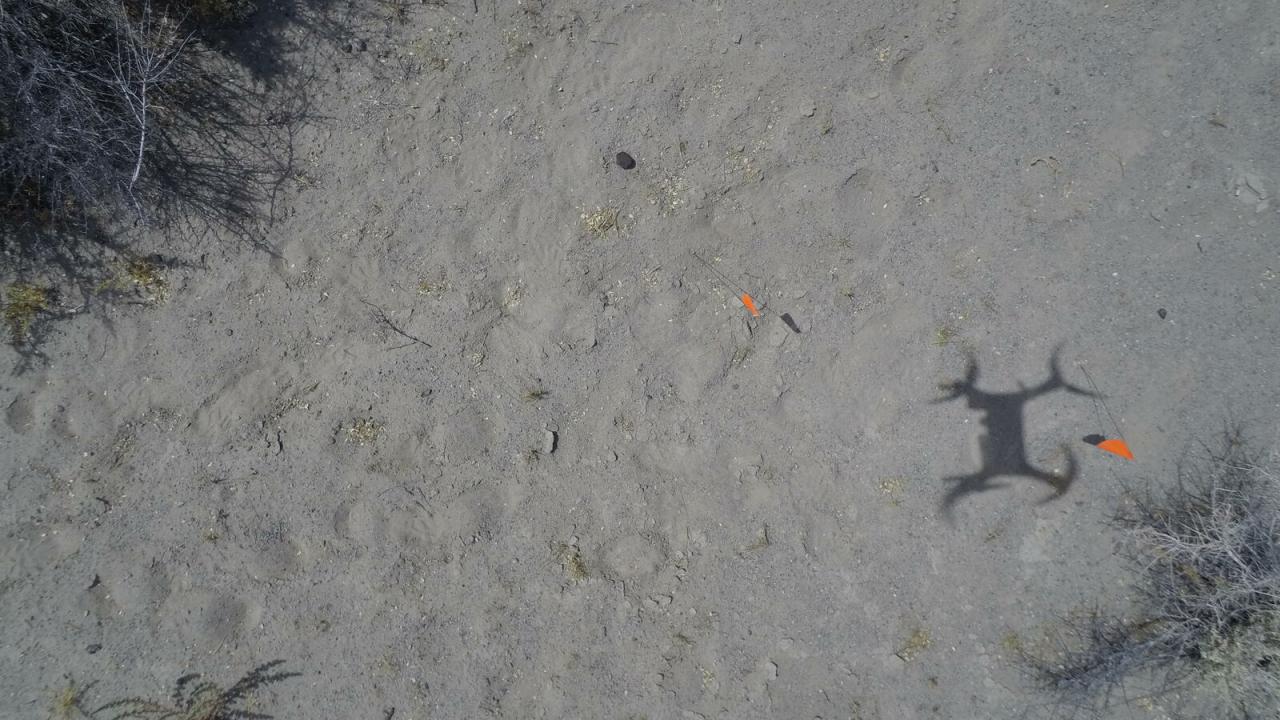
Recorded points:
(1206, 628)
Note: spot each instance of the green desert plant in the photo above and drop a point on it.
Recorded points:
(1207, 624)
(192, 699)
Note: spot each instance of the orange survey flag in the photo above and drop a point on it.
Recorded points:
(1116, 447)
(751, 305)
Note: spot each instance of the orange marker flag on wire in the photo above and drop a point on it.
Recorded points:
(1115, 446)
(747, 302)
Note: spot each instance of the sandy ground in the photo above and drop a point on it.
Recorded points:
(452, 448)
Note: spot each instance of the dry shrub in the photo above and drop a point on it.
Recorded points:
(1206, 629)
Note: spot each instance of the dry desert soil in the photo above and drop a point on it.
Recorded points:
(479, 426)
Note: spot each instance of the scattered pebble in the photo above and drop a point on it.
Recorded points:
(94, 648)
(1162, 313)
(550, 440)
(625, 161)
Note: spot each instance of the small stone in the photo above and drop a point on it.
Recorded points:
(1162, 313)
(737, 39)
(95, 647)
(625, 161)
(550, 440)
(809, 110)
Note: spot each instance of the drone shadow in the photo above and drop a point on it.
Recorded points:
(1003, 444)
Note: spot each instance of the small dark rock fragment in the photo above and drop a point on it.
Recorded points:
(625, 161)
(96, 582)
(94, 648)
(1162, 313)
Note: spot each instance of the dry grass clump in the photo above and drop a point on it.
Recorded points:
(1207, 624)
(571, 560)
(22, 302)
(364, 431)
(145, 277)
(917, 643)
(148, 277)
(600, 221)
(69, 702)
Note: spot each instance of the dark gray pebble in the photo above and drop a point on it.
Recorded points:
(625, 161)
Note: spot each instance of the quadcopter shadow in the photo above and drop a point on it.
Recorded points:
(1003, 445)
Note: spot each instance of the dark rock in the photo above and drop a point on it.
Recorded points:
(625, 161)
